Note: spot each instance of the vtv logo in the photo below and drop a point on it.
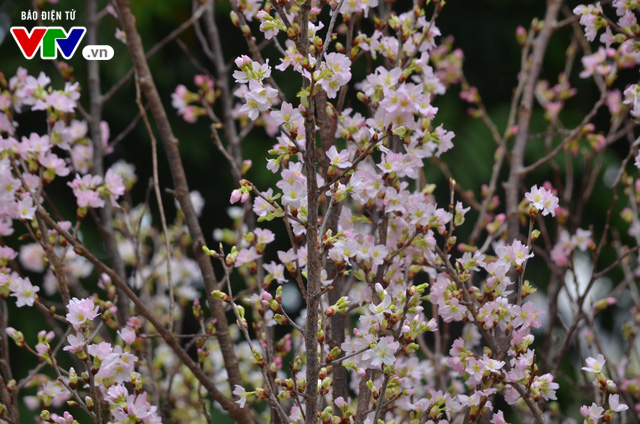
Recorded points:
(49, 40)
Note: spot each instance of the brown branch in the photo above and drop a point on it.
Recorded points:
(96, 103)
(364, 397)
(181, 190)
(173, 342)
(226, 96)
(8, 400)
(163, 219)
(153, 50)
(314, 261)
(125, 132)
(494, 345)
(572, 135)
(526, 108)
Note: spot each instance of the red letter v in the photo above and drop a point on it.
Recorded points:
(28, 43)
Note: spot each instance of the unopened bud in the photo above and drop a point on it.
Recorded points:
(221, 296)
(521, 35)
(297, 364)
(234, 18)
(281, 319)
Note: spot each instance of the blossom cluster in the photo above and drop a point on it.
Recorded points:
(110, 381)
(363, 290)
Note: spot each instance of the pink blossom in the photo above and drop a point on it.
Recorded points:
(545, 386)
(101, 350)
(117, 365)
(104, 137)
(581, 239)
(595, 364)
(180, 98)
(237, 195)
(246, 256)
(260, 206)
(127, 334)
(543, 200)
(115, 186)
(526, 316)
(632, 97)
(81, 311)
(498, 418)
(268, 25)
(26, 208)
(452, 310)
(120, 35)
(36, 86)
(287, 116)
(258, 99)
(385, 350)
(54, 163)
(334, 72)
(34, 146)
(23, 291)
(251, 70)
(264, 236)
(593, 413)
(82, 157)
(131, 408)
(60, 101)
(241, 394)
(276, 271)
(340, 160)
(86, 191)
(615, 405)
(7, 254)
(589, 18)
(475, 369)
(32, 257)
(492, 365)
(294, 195)
(76, 343)
(190, 114)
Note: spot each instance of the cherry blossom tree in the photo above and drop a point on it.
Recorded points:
(418, 302)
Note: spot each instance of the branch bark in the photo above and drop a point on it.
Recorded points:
(241, 415)
(181, 188)
(512, 187)
(95, 112)
(337, 323)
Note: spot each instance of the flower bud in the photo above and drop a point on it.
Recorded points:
(527, 289)
(16, 335)
(261, 393)
(604, 303)
(521, 35)
(281, 319)
(257, 357)
(197, 309)
(73, 378)
(335, 352)
(234, 18)
(89, 402)
(221, 296)
(297, 364)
